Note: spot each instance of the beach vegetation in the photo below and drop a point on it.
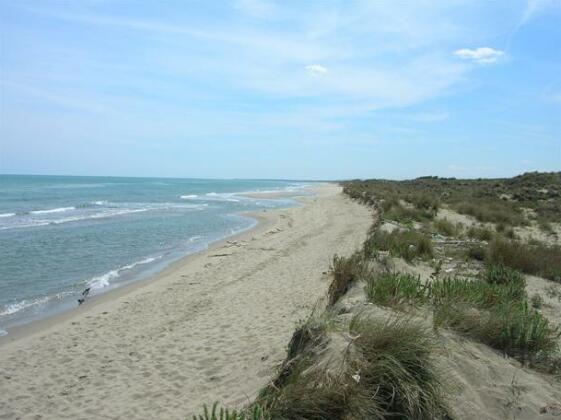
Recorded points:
(386, 371)
(407, 244)
(446, 228)
(395, 289)
(536, 259)
(345, 271)
(256, 412)
(480, 233)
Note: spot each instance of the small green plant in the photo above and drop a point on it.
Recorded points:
(499, 274)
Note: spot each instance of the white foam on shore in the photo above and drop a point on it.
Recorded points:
(58, 210)
(3, 333)
(24, 304)
(100, 282)
(7, 214)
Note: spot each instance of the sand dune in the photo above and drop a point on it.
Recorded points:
(212, 327)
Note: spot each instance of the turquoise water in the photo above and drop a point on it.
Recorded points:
(59, 235)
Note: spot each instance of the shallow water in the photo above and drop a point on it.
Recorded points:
(60, 235)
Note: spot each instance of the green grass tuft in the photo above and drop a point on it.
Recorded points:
(396, 368)
(395, 289)
(514, 328)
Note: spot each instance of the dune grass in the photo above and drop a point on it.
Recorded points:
(345, 271)
(446, 228)
(407, 244)
(491, 210)
(480, 233)
(396, 368)
(407, 215)
(387, 372)
(515, 328)
(536, 259)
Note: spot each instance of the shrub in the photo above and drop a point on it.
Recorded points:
(404, 244)
(424, 201)
(391, 289)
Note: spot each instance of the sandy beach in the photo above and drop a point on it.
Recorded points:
(213, 326)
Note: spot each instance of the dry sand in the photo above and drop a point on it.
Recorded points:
(209, 328)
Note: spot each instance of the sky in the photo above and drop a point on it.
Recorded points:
(288, 89)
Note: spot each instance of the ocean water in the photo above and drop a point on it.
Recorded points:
(60, 235)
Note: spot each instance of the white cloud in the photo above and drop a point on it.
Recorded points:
(482, 55)
(316, 70)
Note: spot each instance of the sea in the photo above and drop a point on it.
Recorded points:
(60, 235)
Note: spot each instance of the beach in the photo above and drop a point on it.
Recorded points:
(212, 327)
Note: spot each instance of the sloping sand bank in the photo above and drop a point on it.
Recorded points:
(212, 327)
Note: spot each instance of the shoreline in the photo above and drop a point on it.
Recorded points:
(212, 326)
(45, 323)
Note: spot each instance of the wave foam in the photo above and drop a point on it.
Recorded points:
(31, 220)
(59, 210)
(7, 214)
(24, 304)
(99, 282)
(188, 196)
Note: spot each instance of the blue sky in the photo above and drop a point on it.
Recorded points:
(287, 89)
